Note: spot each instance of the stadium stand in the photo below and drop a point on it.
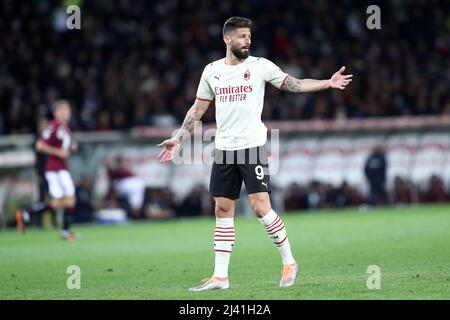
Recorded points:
(125, 67)
(130, 85)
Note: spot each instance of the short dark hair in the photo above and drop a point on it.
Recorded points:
(236, 23)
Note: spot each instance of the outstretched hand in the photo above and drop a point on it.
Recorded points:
(340, 81)
(170, 146)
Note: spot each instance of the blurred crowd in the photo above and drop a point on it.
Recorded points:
(162, 204)
(129, 197)
(319, 195)
(138, 63)
(158, 204)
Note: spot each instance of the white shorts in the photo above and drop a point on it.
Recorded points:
(60, 184)
(133, 189)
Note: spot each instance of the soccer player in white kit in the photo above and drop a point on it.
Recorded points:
(237, 84)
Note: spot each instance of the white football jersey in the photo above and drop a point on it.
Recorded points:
(239, 93)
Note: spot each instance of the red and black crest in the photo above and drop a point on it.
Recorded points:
(246, 75)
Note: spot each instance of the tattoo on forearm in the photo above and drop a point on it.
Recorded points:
(187, 126)
(292, 85)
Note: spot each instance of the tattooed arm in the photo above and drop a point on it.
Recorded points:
(194, 115)
(338, 80)
(293, 84)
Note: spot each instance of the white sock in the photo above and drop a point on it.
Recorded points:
(224, 236)
(277, 232)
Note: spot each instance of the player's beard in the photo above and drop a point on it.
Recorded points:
(238, 53)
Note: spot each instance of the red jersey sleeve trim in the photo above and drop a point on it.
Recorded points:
(284, 81)
(201, 99)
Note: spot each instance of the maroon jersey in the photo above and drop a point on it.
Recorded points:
(56, 136)
(119, 173)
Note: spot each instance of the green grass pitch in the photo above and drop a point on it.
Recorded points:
(161, 260)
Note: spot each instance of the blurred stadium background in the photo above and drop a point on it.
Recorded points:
(131, 74)
(132, 70)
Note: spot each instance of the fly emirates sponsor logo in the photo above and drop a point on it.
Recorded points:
(232, 93)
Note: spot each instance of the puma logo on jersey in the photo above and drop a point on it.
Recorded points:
(264, 184)
(217, 77)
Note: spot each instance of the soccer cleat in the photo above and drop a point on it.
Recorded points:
(289, 274)
(212, 284)
(68, 235)
(19, 221)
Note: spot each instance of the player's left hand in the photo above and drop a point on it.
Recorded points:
(340, 81)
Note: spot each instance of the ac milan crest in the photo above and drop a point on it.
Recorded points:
(246, 75)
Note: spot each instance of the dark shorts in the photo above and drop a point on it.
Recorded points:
(230, 168)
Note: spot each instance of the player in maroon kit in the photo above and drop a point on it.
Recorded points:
(127, 184)
(56, 142)
(33, 214)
